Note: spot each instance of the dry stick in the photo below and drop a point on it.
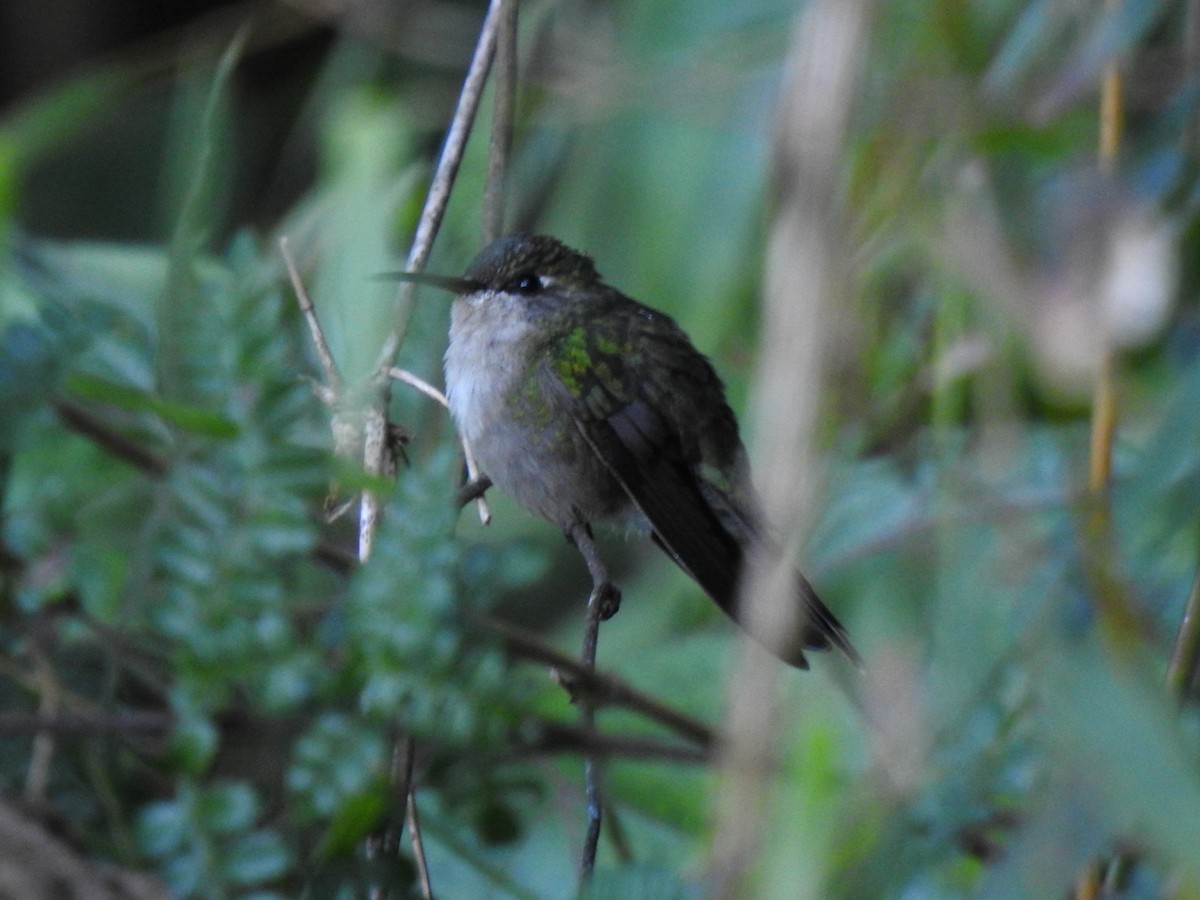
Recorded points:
(604, 689)
(600, 602)
(806, 277)
(1185, 657)
(83, 422)
(427, 227)
(504, 98)
(554, 738)
(473, 474)
(42, 754)
(1116, 620)
(408, 753)
(436, 200)
(74, 724)
(333, 376)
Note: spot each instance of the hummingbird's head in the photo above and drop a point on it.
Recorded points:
(517, 265)
(529, 264)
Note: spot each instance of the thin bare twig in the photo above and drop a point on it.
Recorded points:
(81, 421)
(806, 277)
(504, 96)
(333, 375)
(443, 177)
(413, 820)
(604, 689)
(554, 737)
(601, 604)
(16, 724)
(375, 427)
(42, 753)
(1185, 658)
(415, 381)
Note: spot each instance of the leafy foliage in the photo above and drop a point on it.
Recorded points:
(164, 465)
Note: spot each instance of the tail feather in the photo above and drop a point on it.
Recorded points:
(690, 525)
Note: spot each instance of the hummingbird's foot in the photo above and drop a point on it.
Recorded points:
(608, 597)
(472, 490)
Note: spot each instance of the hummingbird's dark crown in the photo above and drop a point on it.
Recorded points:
(519, 262)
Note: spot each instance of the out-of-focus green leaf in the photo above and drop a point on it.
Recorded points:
(356, 818)
(255, 858)
(227, 808)
(189, 418)
(162, 828)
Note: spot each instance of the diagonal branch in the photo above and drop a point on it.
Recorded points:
(603, 689)
(375, 428)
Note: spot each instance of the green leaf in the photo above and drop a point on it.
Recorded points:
(227, 808)
(256, 858)
(193, 743)
(189, 418)
(162, 828)
(357, 817)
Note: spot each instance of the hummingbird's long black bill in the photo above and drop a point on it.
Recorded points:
(445, 282)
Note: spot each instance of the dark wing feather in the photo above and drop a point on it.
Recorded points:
(643, 450)
(636, 446)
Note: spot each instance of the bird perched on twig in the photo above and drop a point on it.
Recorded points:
(585, 406)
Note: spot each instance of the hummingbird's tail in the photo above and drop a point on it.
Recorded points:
(720, 576)
(699, 527)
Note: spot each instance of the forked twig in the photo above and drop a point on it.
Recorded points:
(332, 389)
(438, 197)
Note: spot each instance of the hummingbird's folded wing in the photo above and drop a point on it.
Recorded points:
(638, 447)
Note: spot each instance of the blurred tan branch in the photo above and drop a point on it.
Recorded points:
(804, 282)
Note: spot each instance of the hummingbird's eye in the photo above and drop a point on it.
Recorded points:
(525, 284)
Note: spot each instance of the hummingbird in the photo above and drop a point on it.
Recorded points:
(586, 406)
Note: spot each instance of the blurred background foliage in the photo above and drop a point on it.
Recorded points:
(227, 691)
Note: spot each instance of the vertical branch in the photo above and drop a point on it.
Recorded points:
(1185, 658)
(409, 755)
(375, 420)
(504, 98)
(443, 177)
(1191, 65)
(602, 602)
(377, 459)
(1104, 405)
(803, 283)
(42, 754)
(1117, 622)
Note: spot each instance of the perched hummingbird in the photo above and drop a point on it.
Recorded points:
(585, 405)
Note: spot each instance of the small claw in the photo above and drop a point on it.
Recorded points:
(609, 599)
(472, 490)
